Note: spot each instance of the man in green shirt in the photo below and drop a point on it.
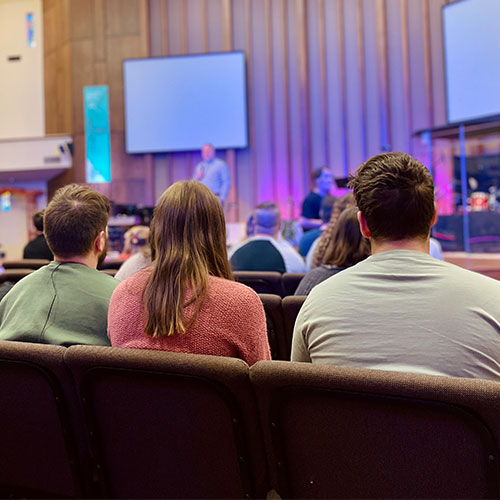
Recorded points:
(65, 302)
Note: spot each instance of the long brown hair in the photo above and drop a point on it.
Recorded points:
(347, 245)
(340, 205)
(188, 243)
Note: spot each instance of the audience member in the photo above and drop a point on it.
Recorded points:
(322, 183)
(265, 251)
(37, 248)
(186, 300)
(317, 251)
(65, 302)
(346, 247)
(400, 309)
(139, 252)
(309, 237)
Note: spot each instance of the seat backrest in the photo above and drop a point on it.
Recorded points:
(110, 264)
(337, 432)
(290, 282)
(169, 425)
(261, 281)
(14, 275)
(38, 451)
(291, 306)
(25, 263)
(275, 325)
(111, 272)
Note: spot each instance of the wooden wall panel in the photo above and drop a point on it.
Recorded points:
(329, 81)
(100, 34)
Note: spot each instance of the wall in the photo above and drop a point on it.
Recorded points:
(330, 82)
(85, 44)
(21, 82)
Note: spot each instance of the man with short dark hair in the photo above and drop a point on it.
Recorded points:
(265, 250)
(322, 183)
(401, 309)
(37, 248)
(65, 302)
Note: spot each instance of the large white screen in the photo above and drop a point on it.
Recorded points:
(472, 58)
(181, 103)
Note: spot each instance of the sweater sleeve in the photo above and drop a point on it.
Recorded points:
(254, 345)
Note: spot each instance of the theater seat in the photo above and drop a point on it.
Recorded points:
(25, 263)
(290, 282)
(14, 275)
(335, 432)
(291, 306)
(261, 281)
(168, 425)
(38, 446)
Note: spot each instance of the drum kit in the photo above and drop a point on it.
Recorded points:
(483, 202)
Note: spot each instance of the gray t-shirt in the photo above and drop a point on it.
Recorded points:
(403, 311)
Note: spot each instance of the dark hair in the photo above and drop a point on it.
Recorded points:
(316, 173)
(188, 243)
(267, 217)
(74, 218)
(38, 220)
(325, 211)
(395, 194)
(339, 206)
(347, 245)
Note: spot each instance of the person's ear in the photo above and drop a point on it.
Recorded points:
(100, 242)
(363, 226)
(435, 216)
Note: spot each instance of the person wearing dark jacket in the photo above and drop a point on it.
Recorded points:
(37, 248)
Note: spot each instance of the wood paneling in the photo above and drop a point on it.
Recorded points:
(86, 43)
(330, 81)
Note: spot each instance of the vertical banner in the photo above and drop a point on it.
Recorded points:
(97, 136)
(30, 30)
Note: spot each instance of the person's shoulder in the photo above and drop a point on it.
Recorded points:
(231, 291)
(134, 284)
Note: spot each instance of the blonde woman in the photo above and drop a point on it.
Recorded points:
(186, 301)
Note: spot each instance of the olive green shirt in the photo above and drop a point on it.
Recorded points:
(61, 303)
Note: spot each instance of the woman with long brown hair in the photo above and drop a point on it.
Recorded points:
(346, 247)
(187, 301)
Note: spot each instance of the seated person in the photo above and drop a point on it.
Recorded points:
(137, 250)
(400, 309)
(346, 247)
(65, 302)
(265, 251)
(37, 248)
(322, 183)
(187, 301)
(315, 255)
(309, 237)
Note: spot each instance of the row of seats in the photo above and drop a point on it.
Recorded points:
(281, 314)
(260, 281)
(122, 423)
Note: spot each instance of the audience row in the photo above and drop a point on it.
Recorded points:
(376, 298)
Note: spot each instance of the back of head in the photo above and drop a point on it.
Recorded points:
(395, 194)
(136, 240)
(347, 245)
(188, 243)
(267, 218)
(74, 218)
(340, 204)
(38, 220)
(325, 212)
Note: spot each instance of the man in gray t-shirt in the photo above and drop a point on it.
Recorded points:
(401, 309)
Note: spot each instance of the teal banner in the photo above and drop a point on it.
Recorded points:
(97, 136)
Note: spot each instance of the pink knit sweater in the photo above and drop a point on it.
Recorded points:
(230, 323)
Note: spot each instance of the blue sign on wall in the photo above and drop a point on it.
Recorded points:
(97, 135)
